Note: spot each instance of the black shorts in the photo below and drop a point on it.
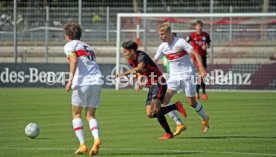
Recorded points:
(204, 61)
(156, 91)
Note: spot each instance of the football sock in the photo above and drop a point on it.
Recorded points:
(200, 111)
(203, 87)
(94, 128)
(163, 122)
(197, 88)
(167, 109)
(174, 115)
(78, 128)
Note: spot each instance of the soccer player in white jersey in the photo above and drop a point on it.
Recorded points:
(182, 74)
(85, 81)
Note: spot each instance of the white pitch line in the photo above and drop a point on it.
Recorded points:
(152, 150)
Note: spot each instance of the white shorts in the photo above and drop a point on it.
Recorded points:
(86, 96)
(186, 85)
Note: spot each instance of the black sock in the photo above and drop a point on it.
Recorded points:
(163, 122)
(197, 88)
(203, 87)
(167, 109)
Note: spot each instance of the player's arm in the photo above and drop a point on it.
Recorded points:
(158, 55)
(199, 62)
(189, 38)
(135, 70)
(188, 48)
(73, 66)
(139, 82)
(207, 45)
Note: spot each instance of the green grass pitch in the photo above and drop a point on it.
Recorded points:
(242, 124)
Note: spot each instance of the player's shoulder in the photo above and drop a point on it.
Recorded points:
(162, 46)
(181, 41)
(205, 33)
(192, 34)
(142, 56)
(86, 46)
(141, 53)
(70, 45)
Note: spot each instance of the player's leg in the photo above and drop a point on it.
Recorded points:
(93, 123)
(173, 88)
(197, 90)
(173, 114)
(77, 105)
(190, 94)
(198, 84)
(154, 111)
(201, 112)
(204, 94)
(154, 100)
(93, 101)
(94, 128)
(180, 127)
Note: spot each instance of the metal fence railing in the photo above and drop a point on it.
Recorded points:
(98, 19)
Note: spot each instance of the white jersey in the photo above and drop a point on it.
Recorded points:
(178, 56)
(88, 71)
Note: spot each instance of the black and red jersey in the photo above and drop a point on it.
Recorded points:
(149, 69)
(198, 40)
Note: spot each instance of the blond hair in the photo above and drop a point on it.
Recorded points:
(166, 26)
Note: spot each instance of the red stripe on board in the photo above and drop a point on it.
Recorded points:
(176, 55)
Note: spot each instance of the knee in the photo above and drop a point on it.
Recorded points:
(90, 116)
(153, 114)
(192, 103)
(166, 101)
(150, 114)
(76, 114)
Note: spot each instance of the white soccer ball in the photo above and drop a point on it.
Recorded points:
(32, 130)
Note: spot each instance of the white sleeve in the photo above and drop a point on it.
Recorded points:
(186, 46)
(159, 53)
(68, 49)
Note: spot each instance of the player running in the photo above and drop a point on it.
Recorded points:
(180, 127)
(85, 80)
(181, 70)
(144, 67)
(200, 41)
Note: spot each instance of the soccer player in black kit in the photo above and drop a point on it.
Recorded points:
(145, 68)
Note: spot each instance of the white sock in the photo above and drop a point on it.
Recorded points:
(200, 111)
(174, 115)
(78, 128)
(94, 128)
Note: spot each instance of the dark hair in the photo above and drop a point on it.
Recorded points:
(72, 30)
(198, 22)
(130, 45)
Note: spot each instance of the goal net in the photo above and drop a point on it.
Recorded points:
(242, 53)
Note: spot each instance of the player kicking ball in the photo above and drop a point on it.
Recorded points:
(85, 80)
(182, 74)
(144, 67)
